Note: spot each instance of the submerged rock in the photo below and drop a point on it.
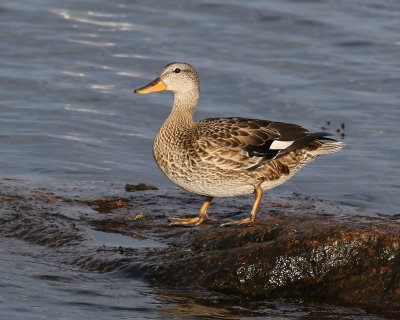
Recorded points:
(302, 248)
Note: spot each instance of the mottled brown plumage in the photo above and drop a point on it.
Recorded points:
(225, 157)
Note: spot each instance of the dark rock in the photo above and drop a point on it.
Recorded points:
(139, 187)
(355, 259)
(107, 205)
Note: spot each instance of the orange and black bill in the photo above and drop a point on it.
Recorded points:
(154, 86)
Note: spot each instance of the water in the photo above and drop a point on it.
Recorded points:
(68, 113)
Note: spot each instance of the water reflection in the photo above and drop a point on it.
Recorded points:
(194, 304)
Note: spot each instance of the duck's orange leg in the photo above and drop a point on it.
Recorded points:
(193, 222)
(259, 193)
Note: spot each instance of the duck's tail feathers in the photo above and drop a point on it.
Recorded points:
(327, 146)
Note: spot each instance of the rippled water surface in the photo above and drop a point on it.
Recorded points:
(68, 113)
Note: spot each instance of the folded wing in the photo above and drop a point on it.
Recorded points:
(238, 143)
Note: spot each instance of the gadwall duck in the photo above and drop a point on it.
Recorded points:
(226, 157)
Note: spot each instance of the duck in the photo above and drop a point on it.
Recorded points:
(226, 156)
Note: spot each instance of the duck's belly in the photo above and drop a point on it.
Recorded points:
(213, 186)
(209, 183)
(221, 184)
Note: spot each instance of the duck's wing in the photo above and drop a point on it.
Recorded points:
(240, 143)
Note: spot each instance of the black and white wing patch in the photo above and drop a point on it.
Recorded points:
(268, 151)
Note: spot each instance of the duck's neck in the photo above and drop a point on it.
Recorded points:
(183, 109)
(175, 133)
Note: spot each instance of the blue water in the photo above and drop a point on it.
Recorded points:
(68, 70)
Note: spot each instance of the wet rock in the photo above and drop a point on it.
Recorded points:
(139, 187)
(302, 248)
(107, 205)
(352, 259)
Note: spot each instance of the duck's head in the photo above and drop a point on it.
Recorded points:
(177, 77)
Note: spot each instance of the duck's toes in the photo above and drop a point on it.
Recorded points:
(185, 222)
(236, 222)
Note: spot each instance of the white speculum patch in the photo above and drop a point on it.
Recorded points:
(280, 145)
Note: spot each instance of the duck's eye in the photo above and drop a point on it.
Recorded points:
(177, 70)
